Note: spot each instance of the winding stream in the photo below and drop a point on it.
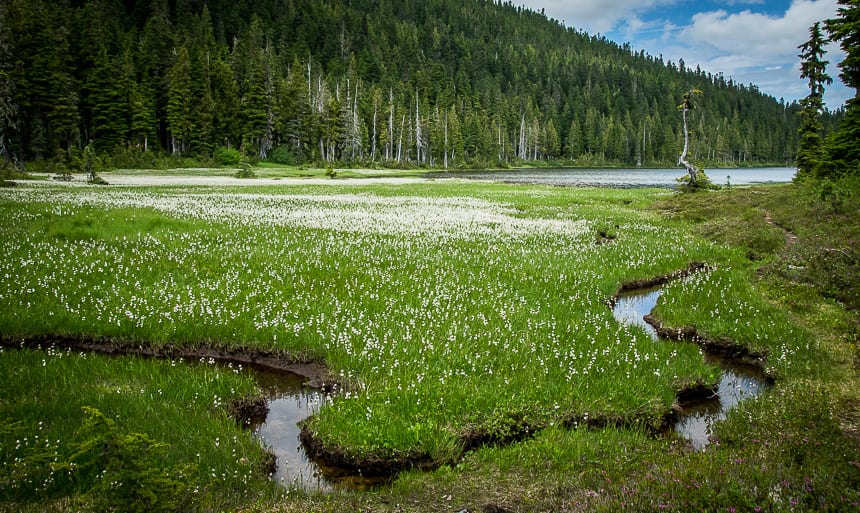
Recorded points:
(291, 401)
(737, 382)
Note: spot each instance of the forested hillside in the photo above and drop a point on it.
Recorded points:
(389, 82)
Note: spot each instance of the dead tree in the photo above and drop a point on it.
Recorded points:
(685, 107)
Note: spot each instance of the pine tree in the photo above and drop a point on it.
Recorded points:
(227, 101)
(156, 53)
(8, 115)
(551, 144)
(813, 68)
(8, 105)
(108, 103)
(179, 101)
(573, 142)
(843, 149)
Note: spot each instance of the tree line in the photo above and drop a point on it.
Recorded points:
(391, 82)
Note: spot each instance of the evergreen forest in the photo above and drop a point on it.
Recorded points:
(435, 83)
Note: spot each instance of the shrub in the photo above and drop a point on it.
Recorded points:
(284, 155)
(124, 471)
(245, 171)
(227, 156)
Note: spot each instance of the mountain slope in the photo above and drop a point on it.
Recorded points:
(428, 82)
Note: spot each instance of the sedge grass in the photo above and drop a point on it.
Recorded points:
(442, 306)
(180, 404)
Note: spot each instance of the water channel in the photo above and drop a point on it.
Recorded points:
(291, 401)
(737, 382)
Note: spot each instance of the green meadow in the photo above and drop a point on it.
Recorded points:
(465, 327)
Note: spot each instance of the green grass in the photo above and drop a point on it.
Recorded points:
(416, 299)
(445, 309)
(181, 404)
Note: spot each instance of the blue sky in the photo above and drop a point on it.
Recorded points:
(751, 41)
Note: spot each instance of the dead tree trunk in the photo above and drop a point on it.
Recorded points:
(686, 106)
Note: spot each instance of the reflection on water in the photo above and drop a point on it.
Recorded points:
(623, 178)
(738, 381)
(290, 402)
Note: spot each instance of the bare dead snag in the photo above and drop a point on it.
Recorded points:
(686, 106)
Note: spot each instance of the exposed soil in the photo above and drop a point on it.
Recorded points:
(316, 374)
(692, 268)
(605, 237)
(365, 465)
(249, 410)
(516, 429)
(719, 346)
(790, 238)
(722, 346)
(725, 349)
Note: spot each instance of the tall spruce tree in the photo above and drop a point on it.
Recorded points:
(108, 102)
(813, 68)
(8, 106)
(179, 101)
(842, 148)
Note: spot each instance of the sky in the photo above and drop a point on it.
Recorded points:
(750, 41)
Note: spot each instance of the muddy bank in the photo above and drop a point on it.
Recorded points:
(720, 346)
(692, 268)
(339, 461)
(314, 372)
(519, 428)
(699, 406)
(370, 465)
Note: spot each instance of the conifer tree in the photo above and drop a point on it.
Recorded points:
(139, 104)
(8, 115)
(843, 149)
(408, 60)
(812, 67)
(179, 101)
(108, 102)
(8, 106)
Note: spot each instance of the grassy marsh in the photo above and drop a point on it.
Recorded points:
(444, 309)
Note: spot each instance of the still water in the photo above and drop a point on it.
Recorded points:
(737, 382)
(623, 178)
(290, 402)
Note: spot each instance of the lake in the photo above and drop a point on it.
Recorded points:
(623, 178)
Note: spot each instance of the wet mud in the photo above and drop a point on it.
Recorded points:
(314, 373)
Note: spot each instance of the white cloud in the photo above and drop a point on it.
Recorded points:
(759, 36)
(759, 48)
(593, 16)
(749, 46)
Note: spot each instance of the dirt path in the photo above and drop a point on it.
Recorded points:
(790, 238)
